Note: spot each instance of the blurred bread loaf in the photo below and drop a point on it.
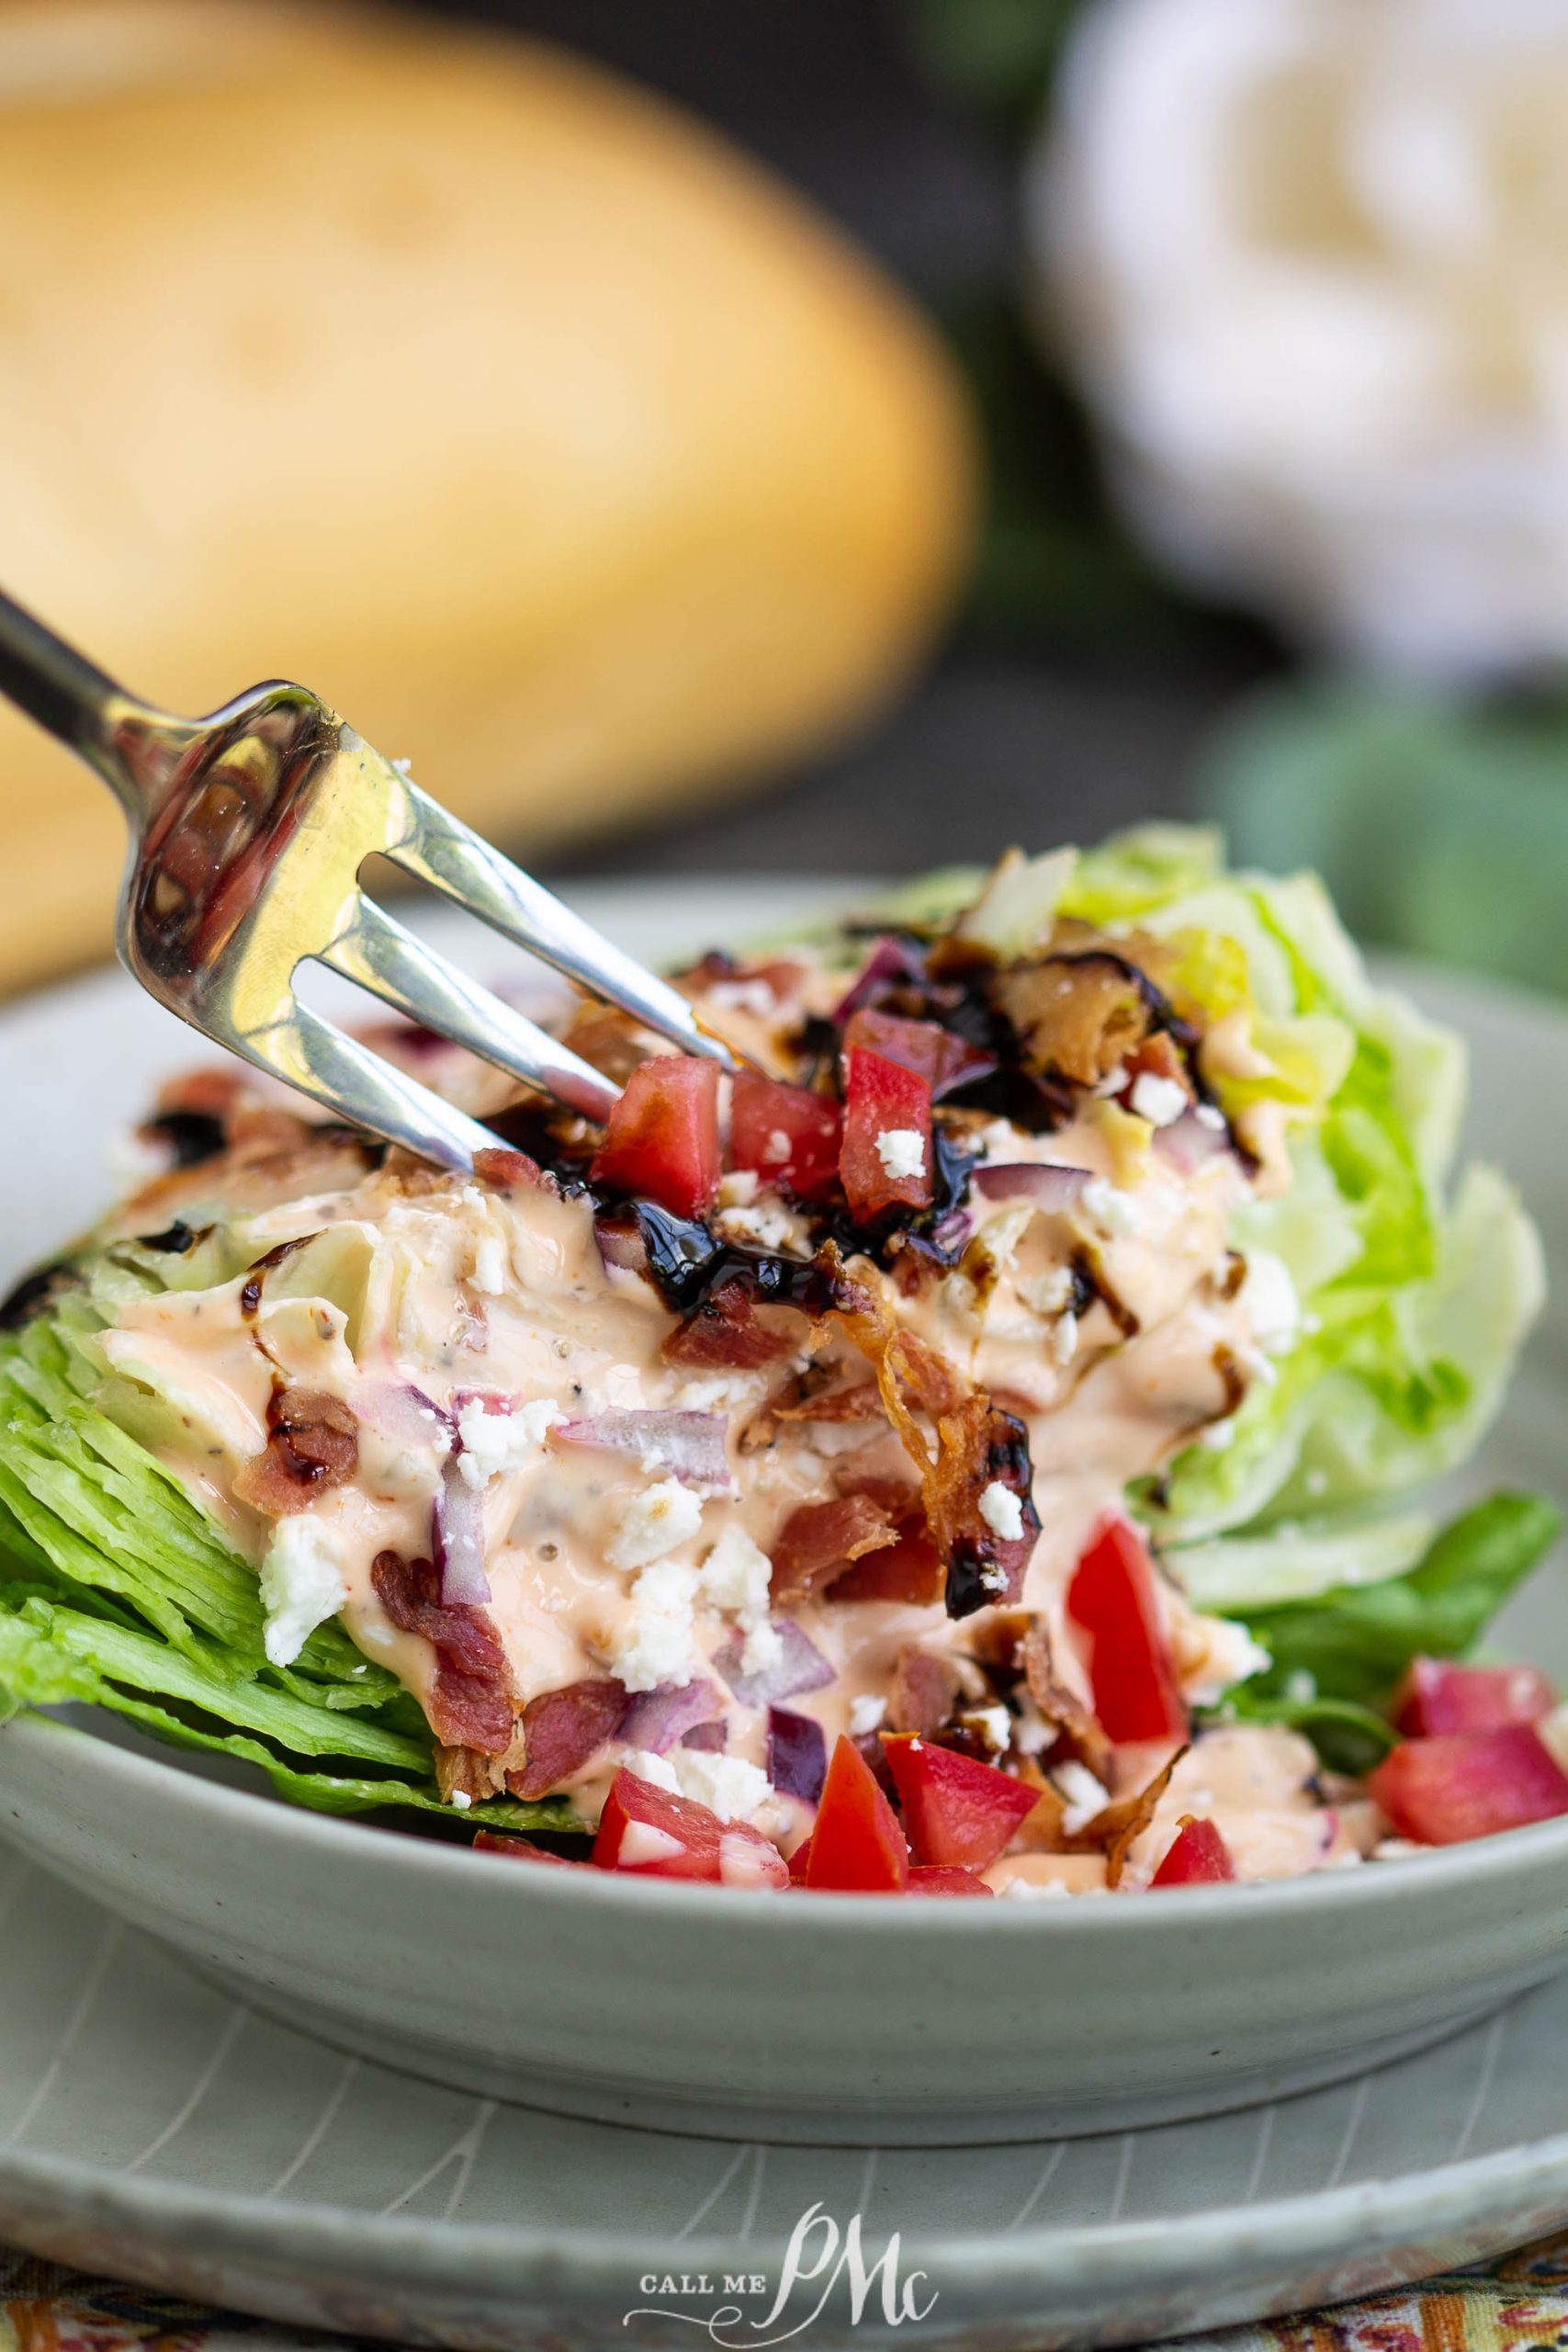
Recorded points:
(553, 442)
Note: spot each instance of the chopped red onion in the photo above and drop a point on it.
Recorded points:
(1045, 1183)
(800, 1666)
(657, 1720)
(953, 1231)
(712, 1737)
(688, 1445)
(1189, 1142)
(402, 1413)
(890, 960)
(457, 1539)
(797, 1754)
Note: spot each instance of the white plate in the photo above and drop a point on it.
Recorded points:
(152, 2127)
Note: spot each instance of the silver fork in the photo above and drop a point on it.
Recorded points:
(249, 830)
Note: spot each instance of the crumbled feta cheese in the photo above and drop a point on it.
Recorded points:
(644, 1765)
(303, 1583)
(739, 1189)
(727, 1785)
(655, 1646)
(1300, 1686)
(718, 1392)
(1160, 1101)
(661, 1518)
(1031, 1734)
(753, 996)
(1217, 1435)
(1229, 1654)
(1048, 1294)
(461, 1799)
(496, 1445)
(1003, 1511)
(762, 1648)
(1084, 1795)
(1065, 1339)
(994, 1725)
(1209, 1114)
(1032, 1890)
(777, 1149)
(1269, 1300)
(1108, 1206)
(902, 1152)
(867, 1710)
(769, 1226)
(736, 1575)
(1394, 1850)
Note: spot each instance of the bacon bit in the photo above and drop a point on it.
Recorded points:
(1115, 1828)
(1078, 1016)
(922, 1693)
(977, 1447)
(1075, 1726)
(859, 1402)
(909, 1569)
(465, 1771)
(506, 1171)
(728, 1329)
(562, 1731)
(817, 1540)
(312, 1445)
(471, 1702)
(612, 1041)
(976, 1443)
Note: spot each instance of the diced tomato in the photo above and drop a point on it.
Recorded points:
(652, 1833)
(883, 1100)
(909, 1569)
(1437, 1696)
(662, 1141)
(786, 1134)
(935, 1054)
(800, 1862)
(1196, 1856)
(519, 1850)
(944, 1878)
(1465, 1784)
(857, 1846)
(956, 1810)
(1113, 1601)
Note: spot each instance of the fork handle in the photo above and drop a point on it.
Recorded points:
(50, 681)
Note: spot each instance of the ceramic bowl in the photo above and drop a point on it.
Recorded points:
(833, 2019)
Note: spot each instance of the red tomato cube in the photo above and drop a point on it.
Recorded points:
(652, 1833)
(1465, 1784)
(1113, 1604)
(935, 1054)
(944, 1878)
(786, 1134)
(885, 1159)
(662, 1140)
(956, 1810)
(1438, 1696)
(1196, 1856)
(857, 1846)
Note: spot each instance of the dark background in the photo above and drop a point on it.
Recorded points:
(1074, 692)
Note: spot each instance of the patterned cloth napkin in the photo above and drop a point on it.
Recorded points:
(1519, 2299)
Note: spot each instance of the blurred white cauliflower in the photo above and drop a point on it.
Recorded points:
(1310, 258)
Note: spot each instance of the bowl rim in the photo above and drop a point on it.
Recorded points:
(1475, 1865)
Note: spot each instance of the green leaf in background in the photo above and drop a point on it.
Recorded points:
(1439, 828)
(1354, 1642)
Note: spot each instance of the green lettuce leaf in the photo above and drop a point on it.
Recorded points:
(116, 1590)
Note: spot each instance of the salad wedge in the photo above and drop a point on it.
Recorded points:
(980, 1449)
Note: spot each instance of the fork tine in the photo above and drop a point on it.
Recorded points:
(353, 1083)
(379, 954)
(456, 862)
